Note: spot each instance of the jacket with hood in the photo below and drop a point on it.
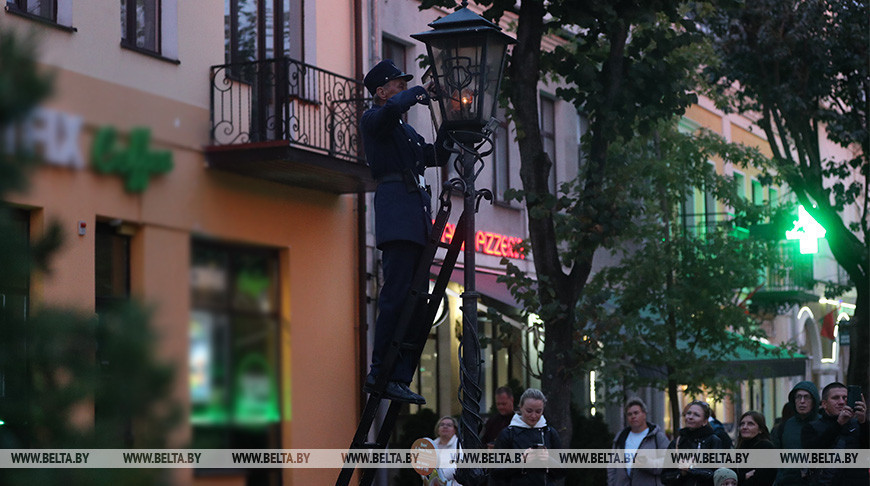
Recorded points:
(789, 435)
(519, 435)
(689, 440)
(655, 438)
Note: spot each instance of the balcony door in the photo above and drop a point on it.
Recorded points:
(257, 30)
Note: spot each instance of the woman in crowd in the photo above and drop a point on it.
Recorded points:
(446, 441)
(754, 435)
(695, 435)
(529, 432)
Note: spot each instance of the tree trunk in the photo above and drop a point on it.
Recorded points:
(535, 168)
(859, 347)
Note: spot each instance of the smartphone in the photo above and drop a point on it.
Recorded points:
(853, 396)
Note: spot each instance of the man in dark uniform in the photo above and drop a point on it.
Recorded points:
(397, 156)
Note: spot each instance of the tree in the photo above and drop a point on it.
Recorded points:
(626, 65)
(54, 363)
(804, 66)
(676, 322)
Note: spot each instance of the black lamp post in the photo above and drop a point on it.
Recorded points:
(467, 57)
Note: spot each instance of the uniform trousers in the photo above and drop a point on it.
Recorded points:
(400, 259)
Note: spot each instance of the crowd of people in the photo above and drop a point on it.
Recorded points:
(809, 421)
(826, 422)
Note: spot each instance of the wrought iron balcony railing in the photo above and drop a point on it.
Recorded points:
(287, 100)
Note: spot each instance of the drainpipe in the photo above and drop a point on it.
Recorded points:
(362, 255)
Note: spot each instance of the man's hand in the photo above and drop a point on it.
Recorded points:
(860, 410)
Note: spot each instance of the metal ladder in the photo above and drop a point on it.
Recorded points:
(420, 308)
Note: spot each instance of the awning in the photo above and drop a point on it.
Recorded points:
(486, 283)
(745, 362)
(768, 362)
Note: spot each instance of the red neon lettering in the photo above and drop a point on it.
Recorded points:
(480, 241)
(488, 243)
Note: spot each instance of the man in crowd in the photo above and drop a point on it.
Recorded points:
(639, 434)
(504, 406)
(804, 397)
(839, 427)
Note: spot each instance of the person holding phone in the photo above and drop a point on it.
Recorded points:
(529, 432)
(840, 426)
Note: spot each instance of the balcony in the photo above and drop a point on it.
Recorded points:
(289, 122)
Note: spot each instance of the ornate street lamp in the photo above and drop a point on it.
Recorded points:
(467, 57)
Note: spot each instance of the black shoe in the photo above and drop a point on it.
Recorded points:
(395, 391)
(405, 394)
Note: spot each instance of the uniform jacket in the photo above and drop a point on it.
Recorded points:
(692, 440)
(393, 148)
(519, 435)
(827, 433)
(655, 438)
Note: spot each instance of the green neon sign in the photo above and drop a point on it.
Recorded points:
(806, 230)
(136, 162)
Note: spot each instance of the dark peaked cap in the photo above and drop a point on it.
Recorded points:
(383, 72)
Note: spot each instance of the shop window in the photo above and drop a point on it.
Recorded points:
(234, 347)
(112, 289)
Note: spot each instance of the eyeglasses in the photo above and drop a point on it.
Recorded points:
(802, 397)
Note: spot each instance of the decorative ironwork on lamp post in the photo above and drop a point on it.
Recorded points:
(467, 56)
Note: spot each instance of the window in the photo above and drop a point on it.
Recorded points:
(54, 12)
(250, 33)
(501, 165)
(396, 51)
(150, 27)
(548, 133)
(46, 9)
(234, 346)
(740, 182)
(757, 193)
(140, 24)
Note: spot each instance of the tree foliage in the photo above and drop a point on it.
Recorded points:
(626, 65)
(675, 321)
(59, 365)
(804, 68)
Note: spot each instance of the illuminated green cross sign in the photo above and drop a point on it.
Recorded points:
(136, 162)
(807, 230)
